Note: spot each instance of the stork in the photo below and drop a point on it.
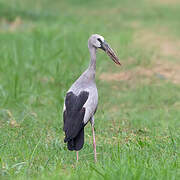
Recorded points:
(81, 100)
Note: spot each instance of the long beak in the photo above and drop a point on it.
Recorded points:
(110, 52)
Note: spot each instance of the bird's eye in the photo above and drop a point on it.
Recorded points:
(99, 40)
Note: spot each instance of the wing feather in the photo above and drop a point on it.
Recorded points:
(73, 119)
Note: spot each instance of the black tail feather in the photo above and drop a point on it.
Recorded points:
(76, 143)
(71, 145)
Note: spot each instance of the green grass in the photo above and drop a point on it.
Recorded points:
(43, 49)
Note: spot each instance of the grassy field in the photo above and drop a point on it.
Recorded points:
(43, 49)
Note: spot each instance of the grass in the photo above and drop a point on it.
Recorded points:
(43, 49)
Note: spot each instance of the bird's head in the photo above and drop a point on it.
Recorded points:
(98, 41)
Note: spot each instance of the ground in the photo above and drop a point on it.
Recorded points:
(43, 49)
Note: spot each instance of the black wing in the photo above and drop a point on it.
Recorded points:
(73, 120)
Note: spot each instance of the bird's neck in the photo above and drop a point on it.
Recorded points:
(89, 74)
(92, 65)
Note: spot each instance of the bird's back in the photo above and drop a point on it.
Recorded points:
(84, 83)
(79, 107)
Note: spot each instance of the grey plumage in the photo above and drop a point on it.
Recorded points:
(82, 98)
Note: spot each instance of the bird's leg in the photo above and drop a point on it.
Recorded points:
(94, 141)
(77, 156)
(94, 144)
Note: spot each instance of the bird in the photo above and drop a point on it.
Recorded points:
(81, 100)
